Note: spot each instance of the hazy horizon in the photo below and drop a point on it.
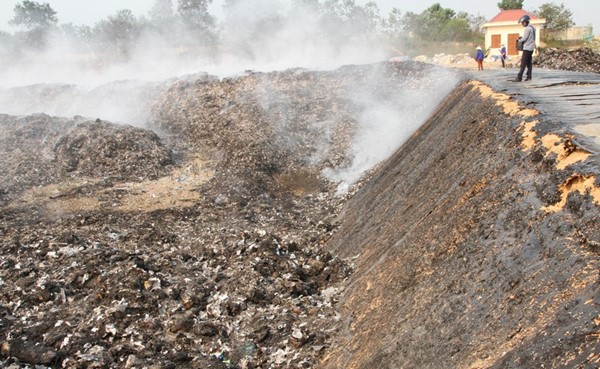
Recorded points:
(249, 39)
(88, 12)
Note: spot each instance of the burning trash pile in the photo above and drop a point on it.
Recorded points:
(199, 243)
(579, 60)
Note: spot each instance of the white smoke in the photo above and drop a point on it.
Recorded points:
(260, 35)
(389, 120)
(69, 78)
(385, 112)
(268, 35)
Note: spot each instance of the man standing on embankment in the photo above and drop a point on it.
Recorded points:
(528, 42)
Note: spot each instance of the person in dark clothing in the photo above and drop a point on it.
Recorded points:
(528, 41)
(503, 55)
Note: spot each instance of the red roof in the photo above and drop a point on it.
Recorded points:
(512, 15)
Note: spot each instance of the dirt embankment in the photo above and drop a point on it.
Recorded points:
(476, 246)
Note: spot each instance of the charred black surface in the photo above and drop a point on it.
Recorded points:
(463, 259)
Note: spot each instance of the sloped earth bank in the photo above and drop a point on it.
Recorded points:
(201, 243)
(476, 245)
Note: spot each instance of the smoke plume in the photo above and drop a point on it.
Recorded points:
(79, 73)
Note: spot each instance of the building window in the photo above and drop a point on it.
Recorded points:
(496, 41)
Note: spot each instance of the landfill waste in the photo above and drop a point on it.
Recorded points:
(582, 59)
(198, 241)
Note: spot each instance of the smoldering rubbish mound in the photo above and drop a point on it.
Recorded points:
(116, 101)
(39, 150)
(200, 245)
(290, 126)
(107, 150)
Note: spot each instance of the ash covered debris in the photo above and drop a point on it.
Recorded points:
(201, 247)
(39, 150)
(108, 150)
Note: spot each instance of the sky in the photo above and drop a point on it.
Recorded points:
(88, 12)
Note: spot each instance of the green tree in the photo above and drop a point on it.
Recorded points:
(72, 31)
(37, 20)
(162, 12)
(392, 24)
(510, 4)
(118, 32)
(557, 16)
(80, 37)
(360, 19)
(456, 29)
(194, 14)
(340, 8)
(476, 22)
(343, 19)
(372, 15)
(436, 24)
(198, 24)
(32, 15)
(162, 20)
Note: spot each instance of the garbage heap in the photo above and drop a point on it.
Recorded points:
(579, 60)
(198, 241)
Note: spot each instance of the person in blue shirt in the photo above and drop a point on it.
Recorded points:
(479, 58)
(503, 55)
(528, 40)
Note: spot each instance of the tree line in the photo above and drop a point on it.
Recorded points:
(188, 23)
(558, 17)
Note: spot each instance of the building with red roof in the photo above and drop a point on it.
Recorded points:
(505, 29)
